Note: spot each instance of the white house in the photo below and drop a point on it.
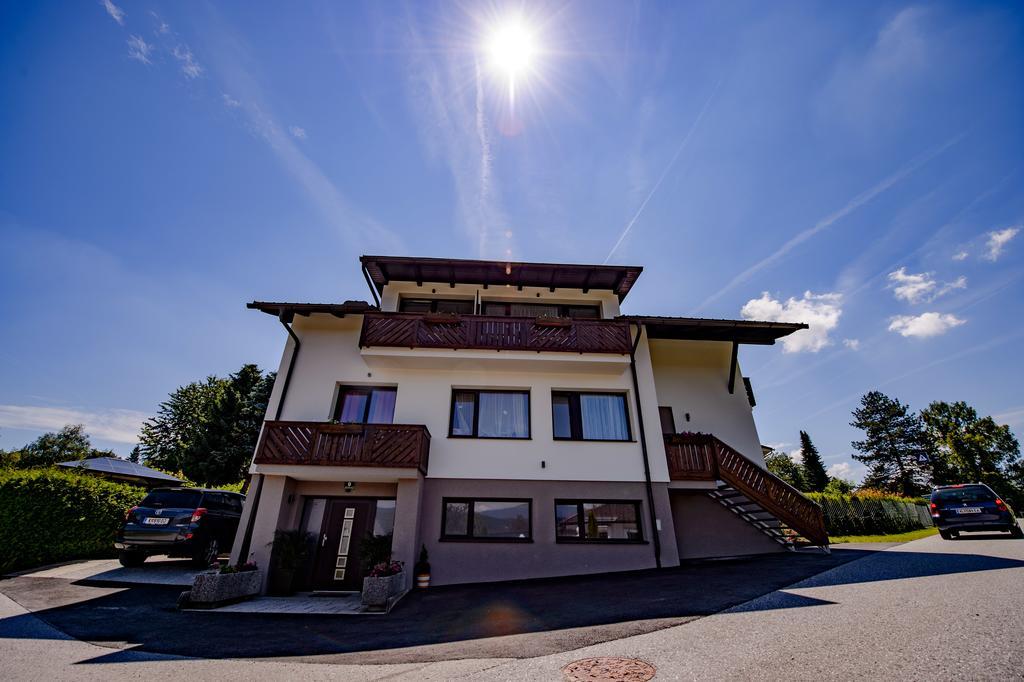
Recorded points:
(510, 419)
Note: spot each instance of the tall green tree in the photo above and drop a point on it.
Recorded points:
(208, 429)
(814, 469)
(68, 444)
(893, 441)
(968, 448)
(780, 464)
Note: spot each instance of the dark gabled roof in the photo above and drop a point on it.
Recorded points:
(120, 467)
(384, 269)
(306, 309)
(703, 329)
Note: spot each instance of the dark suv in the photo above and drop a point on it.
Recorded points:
(971, 507)
(180, 522)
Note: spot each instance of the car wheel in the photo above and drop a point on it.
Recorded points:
(945, 535)
(206, 554)
(954, 535)
(131, 559)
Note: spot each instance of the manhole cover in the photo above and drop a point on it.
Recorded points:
(606, 668)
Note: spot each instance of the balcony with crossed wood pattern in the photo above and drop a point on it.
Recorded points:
(487, 332)
(405, 446)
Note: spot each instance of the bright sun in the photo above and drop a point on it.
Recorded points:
(511, 48)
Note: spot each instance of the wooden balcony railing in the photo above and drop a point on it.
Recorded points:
(702, 457)
(362, 445)
(485, 332)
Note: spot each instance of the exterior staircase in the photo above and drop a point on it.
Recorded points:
(754, 494)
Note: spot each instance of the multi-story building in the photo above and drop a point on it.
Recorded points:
(508, 417)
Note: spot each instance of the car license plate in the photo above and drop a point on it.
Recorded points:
(156, 521)
(969, 510)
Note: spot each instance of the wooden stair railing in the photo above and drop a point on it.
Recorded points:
(703, 457)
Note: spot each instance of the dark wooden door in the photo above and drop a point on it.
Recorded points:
(337, 565)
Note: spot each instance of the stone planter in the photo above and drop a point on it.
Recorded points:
(377, 591)
(210, 589)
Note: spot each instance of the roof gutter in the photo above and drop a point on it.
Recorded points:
(643, 448)
(369, 283)
(286, 319)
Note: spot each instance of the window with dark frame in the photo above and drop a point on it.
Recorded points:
(528, 309)
(490, 414)
(486, 520)
(436, 305)
(611, 521)
(366, 404)
(589, 416)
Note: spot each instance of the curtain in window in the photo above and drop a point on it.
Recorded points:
(533, 310)
(604, 417)
(462, 415)
(504, 415)
(353, 405)
(382, 407)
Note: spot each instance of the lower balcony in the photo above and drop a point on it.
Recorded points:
(404, 446)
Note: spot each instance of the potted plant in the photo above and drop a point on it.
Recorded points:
(422, 569)
(383, 577)
(289, 552)
(552, 321)
(223, 585)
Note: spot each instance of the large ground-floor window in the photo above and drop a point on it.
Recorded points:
(495, 520)
(597, 521)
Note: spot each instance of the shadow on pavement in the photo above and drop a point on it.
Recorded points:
(512, 619)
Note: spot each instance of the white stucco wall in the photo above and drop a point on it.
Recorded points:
(330, 357)
(389, 298)
(693, 377)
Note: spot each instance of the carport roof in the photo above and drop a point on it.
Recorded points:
(705, 329)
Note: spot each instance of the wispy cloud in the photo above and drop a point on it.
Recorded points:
(960, 255)
(921, 287)
(139, 49)
(297, 132)
(230, 101)
(998, 240)
(829, 220)
(115, 12)
(1013, 416)
(668, 168)
(852, 344)
(189, 66)
(120, 426)
(162, 27)
(821, 312)
(843, 470)
(925, 325)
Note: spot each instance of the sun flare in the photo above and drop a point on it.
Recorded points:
(511, 48)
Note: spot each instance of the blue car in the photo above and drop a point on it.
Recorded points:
(971, 507)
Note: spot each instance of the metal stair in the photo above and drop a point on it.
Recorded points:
(757, 516)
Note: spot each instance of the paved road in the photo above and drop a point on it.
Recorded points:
(930, 609)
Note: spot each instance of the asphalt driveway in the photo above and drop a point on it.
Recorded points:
(504, 620)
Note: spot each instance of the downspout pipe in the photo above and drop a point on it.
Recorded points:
(643, 448)
(243, 553)
(373, 289)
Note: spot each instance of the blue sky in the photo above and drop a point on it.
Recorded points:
(857, 166)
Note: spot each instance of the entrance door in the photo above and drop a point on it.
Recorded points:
(337, 565)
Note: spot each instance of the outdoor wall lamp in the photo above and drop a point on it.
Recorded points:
(349, 485)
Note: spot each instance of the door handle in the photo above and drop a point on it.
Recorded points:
(323, 541)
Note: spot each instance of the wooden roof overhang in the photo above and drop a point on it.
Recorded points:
(703, 329)
(384, 269)
(286, 311)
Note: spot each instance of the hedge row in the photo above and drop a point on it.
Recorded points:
(47, 516)
(874, 515)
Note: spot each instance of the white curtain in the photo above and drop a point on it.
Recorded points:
(504, 415)
(604, 417)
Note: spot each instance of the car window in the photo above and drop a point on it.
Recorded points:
(969, 493)
(215, 501)
(178, 499)
(234, 503)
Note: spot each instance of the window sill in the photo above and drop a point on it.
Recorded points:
(454, 437)
(593, 440)
(574, 541)
(512, 541)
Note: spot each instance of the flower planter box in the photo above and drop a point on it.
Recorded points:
(214, 589)
(544, 321)
(377, 591)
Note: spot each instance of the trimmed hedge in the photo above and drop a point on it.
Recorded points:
(48, 516)
(871, 514)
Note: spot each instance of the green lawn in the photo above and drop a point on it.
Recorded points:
(897, 537)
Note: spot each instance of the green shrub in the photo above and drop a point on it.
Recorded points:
(47, 516)
(873, 513)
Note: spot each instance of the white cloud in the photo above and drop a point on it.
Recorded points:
(921, 287)
(924, 325)
(821, 312)
(120, 426)
(852, 344)
(841, 470)
(997, 240)
(189, 66)
(139, 49)
(297, 132)
(797, 455)
(162, 27)
(115, 12)
(230, 101)
(960, 255)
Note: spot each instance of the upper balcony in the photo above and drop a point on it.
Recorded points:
(404, 446)
(483, 332)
